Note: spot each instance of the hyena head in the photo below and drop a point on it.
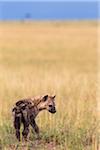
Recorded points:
(48, 103)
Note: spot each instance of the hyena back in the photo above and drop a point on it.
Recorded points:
(26, 110)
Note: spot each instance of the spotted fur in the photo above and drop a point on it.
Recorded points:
(26, 110)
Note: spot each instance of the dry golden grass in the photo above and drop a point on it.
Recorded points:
(56, 58)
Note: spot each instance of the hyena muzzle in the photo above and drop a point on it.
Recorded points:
(26, 110)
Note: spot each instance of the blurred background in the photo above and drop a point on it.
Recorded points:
(48, 10)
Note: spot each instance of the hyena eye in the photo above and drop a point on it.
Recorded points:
(50, 105)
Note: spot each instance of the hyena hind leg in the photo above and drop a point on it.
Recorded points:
(17, 125)
(25, 131)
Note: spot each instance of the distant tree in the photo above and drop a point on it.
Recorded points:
(27, 16)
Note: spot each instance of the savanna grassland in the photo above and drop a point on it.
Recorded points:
(38, 58)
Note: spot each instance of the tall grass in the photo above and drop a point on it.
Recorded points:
(59, 58)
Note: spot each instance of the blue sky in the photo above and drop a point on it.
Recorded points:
(43, 10)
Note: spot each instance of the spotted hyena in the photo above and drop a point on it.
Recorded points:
(26, 110)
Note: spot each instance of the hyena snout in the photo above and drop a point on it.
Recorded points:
(52, 109)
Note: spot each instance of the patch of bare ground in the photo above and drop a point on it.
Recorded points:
(36, 145)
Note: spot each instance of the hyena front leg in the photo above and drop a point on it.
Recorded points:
(35, 127)
(17, 124)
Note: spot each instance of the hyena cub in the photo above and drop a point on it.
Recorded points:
(26, 110)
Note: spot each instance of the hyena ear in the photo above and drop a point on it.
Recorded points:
(45, 98)
(54, 96)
